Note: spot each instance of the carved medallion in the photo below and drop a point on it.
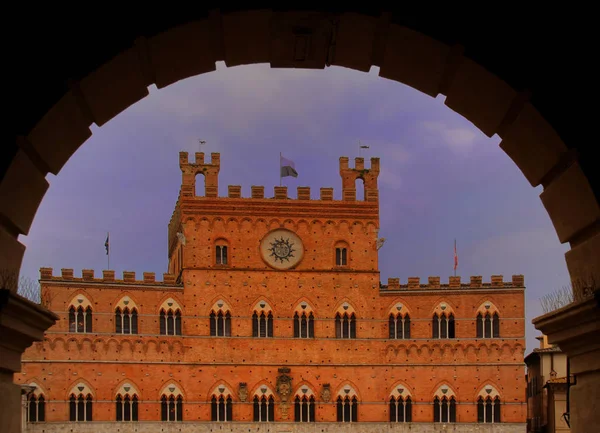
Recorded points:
(282, 249)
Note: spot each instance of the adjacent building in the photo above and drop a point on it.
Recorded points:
(547, 389)
(272, 311)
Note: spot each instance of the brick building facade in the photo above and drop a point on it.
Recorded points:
(273, 310)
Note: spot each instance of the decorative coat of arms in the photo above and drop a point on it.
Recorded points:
(284, 384)
(326, 393)
(243, 391)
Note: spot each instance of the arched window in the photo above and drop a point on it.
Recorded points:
(400, 405)
(171, 404)
(400, 409)
(304, 405)
(80, 403)
(80, 315)
(126, 320)
(262, 321)
(36, 405)
(304, 322)
(220, 320)
(444, 409)
(221, 253)
(221, 404)
(127, 407)
(170, 318)
(444, 405)
(347, 409)
(345, 325)
(488, 405)
(442, 325)
(264, 405)
(341, 255)
(399, 323)
(488, 321)
(126, 403)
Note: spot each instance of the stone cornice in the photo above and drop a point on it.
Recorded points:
(21, 323)
(575, 329)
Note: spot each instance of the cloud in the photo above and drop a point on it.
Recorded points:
(390, 178)
(460, 140)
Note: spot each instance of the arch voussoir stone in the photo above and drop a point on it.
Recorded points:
(354, 42)
(414, 59)
(480, 96)
(182, 52)
(114, 86)
(533, 144)
(247, 37)
(60, 132)
(583, 262)
(21, 192)
(571, 203)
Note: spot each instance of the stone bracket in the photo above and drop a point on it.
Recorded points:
(22, 322)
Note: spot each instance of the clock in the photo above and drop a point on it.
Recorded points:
(281, 249)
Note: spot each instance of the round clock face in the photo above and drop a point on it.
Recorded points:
(281, 249)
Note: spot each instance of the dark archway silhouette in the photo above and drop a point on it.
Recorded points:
(510, 73)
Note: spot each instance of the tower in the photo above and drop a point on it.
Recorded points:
(367, 175)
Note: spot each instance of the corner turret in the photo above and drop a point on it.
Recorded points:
(189, 170)
(367, 175)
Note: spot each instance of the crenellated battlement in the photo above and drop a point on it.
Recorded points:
(280, 193)
(108, 276)
(367, 175)
(210, 171)
(476, 282)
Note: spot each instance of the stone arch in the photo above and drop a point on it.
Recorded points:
(401, 389)
(80, 299)
(399, 307)
(492, 105)
(262, 304)
(443, 389)
(345, 307)
(219, 305)
(38, 389)
(80, 386)
(262, 388)
(304, 388)
(126, 386)
(303, 305)
(221, 387)
(490, 102)
(487, 306)
(170, 303)
(125, 300)
(347, 388)
(443, 306)
(171, 387)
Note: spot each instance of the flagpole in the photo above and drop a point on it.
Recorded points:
(108, 250)
(279, 168)
(455, 257)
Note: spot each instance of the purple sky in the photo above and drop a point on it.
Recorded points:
(441, 178)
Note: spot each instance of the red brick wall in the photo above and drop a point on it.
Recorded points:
(372, 364)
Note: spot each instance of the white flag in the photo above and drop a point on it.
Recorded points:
(287, 167)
